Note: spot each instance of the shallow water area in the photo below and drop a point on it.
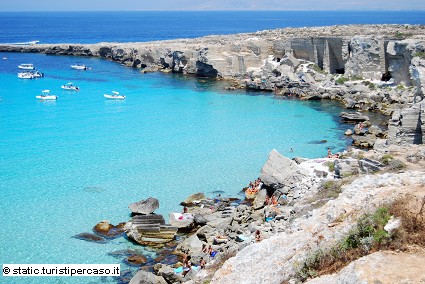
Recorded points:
(68, 164)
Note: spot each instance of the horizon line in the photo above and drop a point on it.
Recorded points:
(226, 10)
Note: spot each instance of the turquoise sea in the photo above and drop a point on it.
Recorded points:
(65, 165)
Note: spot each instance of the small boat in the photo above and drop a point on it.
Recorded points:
(45, 95)
(5, 58)
(27, 42)
(70, 87)
(115, 95)
(25, 75)
(79, 66)
(26, 66)
(181, 220)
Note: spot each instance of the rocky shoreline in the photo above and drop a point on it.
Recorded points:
(317, 201)
(366, 67)
(308, 214)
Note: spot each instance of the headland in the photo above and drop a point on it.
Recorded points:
(332, 208)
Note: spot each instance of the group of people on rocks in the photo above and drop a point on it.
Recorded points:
(187, 264)
(256, 184)
(330, 155)
(270, 200)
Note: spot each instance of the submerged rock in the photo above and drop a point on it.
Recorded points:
(107, 230)
(89, 237)
(136, 259)
(194, 198)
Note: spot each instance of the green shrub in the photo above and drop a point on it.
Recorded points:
(400, 87)
(356, 78)
(420, 54)
(396, 165)
(372, 86)
(330, 165)
(386, 159)
(317, 69)
(341, 80)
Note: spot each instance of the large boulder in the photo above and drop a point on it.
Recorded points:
(353, 117)
(280, 171)
(190, 244)
(196, 197)
(150, 230)
(144, 277)
(346, 167)
(147, 206)
(407, 126)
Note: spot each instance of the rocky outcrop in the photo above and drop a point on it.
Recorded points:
(147, 206)
(280, 172)
(280, 254)
(150, 230)
(144, 277)
(380, 267)
(407, 126)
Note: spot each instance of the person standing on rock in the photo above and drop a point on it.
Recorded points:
(257, 236)
(187, 266)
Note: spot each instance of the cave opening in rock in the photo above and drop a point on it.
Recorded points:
(278, 59)
(340, 71)
(386, 76)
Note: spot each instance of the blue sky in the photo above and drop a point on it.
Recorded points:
(134, 5)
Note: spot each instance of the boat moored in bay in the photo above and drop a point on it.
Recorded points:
(45, 95)
(115, 96)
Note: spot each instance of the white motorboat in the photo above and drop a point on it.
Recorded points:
(27, 42)
(115, 96)
(26, 75)
(70, 87)
(79, 66)
(45, 95)
(26, 66)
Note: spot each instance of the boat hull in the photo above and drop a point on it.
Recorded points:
(47, 97)
(114, 97)
(26, 67)
(78, 67)
(25, 76)
(70, 88)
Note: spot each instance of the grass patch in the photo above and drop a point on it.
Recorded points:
(386, 159)
(341, 80)
(372, 86)
(400, 87)
(400, 35)
(395, 165)
(368, 236)
(330, 165)
(330, 189)
(420, 54)
(317, 69)
(356, 78)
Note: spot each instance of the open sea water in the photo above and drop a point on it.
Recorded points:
(65, 165)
